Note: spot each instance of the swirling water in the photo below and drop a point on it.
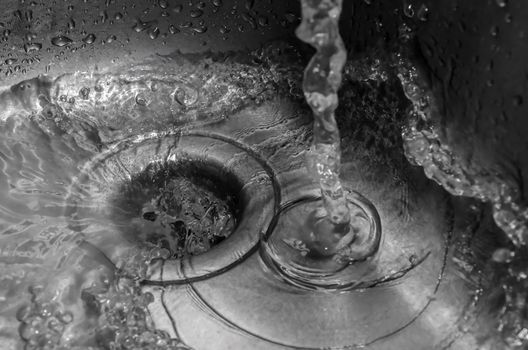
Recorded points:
(71, 270)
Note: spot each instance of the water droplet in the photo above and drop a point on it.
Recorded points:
(89, 39)
(163, 4)
(217, 3)
(186, 24)
(10, 61)
(508, 18)
(195, 13)
(71, 24)
(154, 33)
(118, 16)
(30, 47)
(65, 317)
(178, 8)
(142, 26)
(494, 31)
(61, 41)
(501, 3)
(173, 29)
(224, 29)
(517, 100)
(103, 16)
(200, 30)
(110, 39)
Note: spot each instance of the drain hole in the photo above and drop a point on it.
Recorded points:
(186, 206)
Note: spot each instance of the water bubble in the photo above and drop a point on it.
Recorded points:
(140, 100)
(408, 9)
(503, 255)
(28, 331)
(89, 39)
(423, 13)
(46, 310)
(186, 96)
(24, 312)
(55, 326)
(61, 41)
(195, 13)
(84, 93)
(65, 317)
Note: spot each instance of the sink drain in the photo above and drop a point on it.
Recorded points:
(185, 206)
(204, 197)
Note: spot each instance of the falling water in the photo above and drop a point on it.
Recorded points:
(322, 79)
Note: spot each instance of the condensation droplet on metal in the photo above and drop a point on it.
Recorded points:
(61, 41)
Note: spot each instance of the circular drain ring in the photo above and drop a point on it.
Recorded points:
(176, 268)
(163, 272)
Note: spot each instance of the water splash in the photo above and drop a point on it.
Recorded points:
(423, 146)
(115, 316)
(322, 79)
